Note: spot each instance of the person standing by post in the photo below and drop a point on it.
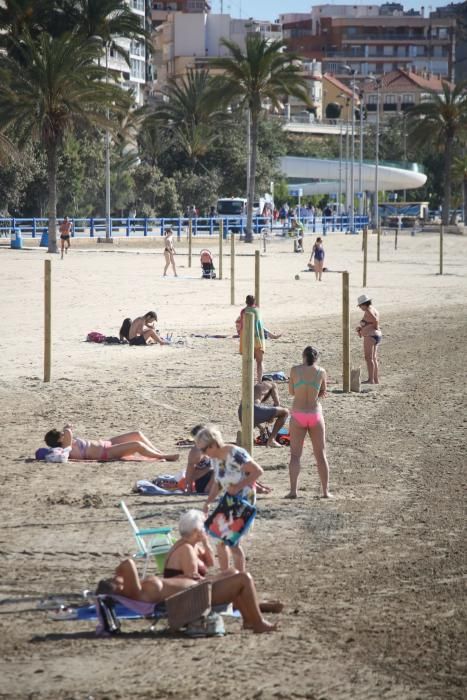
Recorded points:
(259, 340)
(65, 234)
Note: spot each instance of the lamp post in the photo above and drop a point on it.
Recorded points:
(376, 215)
(360, 165)
(108, 225)
(352, 72)
(339, 206)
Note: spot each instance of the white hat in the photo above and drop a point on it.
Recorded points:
(363, 299)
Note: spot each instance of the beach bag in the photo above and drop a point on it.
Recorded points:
(231, 519)
(58, 454)
(212, 625)
(95, 337)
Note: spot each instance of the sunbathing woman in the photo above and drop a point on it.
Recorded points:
(106, 450)
(238, 589)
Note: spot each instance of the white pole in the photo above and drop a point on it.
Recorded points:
(108, 232)
(339, 206)
(360, 166)
(352, 162)
(376, 225)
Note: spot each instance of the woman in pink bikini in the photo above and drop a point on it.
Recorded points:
(307, 385)
(105, 450)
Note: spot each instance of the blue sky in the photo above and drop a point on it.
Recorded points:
(271, 9)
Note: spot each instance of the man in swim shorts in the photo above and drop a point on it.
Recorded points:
(263, 413)
(65, 233)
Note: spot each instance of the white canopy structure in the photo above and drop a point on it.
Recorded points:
(328, 172)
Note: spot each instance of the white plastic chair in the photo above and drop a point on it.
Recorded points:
(157, 545)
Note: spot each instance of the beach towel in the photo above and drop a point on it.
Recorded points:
(231, 520)
(276, 377)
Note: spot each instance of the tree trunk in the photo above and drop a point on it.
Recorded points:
(52, 187)
(464, 192)
(447, 179)
(252, 179)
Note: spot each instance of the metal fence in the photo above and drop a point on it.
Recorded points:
(201, 226)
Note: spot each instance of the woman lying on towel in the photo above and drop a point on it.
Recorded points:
(238, 589)
(106, 450)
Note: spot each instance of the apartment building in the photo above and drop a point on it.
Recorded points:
(372, 39)
(190, 40)
(133, 77)
(399, 90)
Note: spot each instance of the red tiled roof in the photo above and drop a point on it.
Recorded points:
(338, 84)
(404, 77)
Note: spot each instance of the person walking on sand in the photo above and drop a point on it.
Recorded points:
(65, 234)
(369, 330)
(317, 258)
(169, 252)
(307, 385)
(259, 339)
(235, 474)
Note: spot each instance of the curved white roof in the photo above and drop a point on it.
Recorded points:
(326, 170)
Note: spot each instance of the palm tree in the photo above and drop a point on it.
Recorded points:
(443, 121)
(56, 86)
(261, 74)
(187, 116)
(107, 19)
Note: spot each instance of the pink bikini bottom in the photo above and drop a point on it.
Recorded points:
(307, 420)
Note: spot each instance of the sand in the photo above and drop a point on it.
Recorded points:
(373, 582)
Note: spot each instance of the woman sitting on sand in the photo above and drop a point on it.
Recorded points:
(142, 331)
(106, 450)
(307, 385)
(238, 589)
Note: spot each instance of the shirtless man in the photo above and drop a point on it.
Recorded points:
(265, 413)
(369, 330)
(142, 331)
(65, 233)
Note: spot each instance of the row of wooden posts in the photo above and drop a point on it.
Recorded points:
(248, 330)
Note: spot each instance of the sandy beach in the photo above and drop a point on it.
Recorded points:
(373, 581)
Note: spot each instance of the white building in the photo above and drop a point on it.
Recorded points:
(132, 77)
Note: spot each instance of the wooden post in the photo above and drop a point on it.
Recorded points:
(395, 238)
(190, 232)
(221, 237)
(248, 380)
(257, 278)
(441, 236)
(378, 243)
(232, 268)
(365, 254)
(47, 319)
(345, 333)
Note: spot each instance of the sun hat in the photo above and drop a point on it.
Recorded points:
(363, 299)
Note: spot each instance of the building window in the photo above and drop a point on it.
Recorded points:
(408, 99)
(137, 5)
(388, 50)
(137, 48)
(372, 99)
(401, 51)
(390, 99)
(137, 69)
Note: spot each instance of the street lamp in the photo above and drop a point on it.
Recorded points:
(360, 165)
(377, 82)
(352, 72)
(108, 224)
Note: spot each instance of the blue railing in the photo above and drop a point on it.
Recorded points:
(201, 226)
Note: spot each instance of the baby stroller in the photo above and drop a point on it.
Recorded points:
(207, 265)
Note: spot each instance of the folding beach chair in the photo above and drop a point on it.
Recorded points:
(152, 542)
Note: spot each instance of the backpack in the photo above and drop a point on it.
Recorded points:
(124, 331)
(95, 337)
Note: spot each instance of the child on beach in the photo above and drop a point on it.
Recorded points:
(317, 258)
(235, 473)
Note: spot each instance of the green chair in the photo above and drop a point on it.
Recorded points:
(152, 542)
